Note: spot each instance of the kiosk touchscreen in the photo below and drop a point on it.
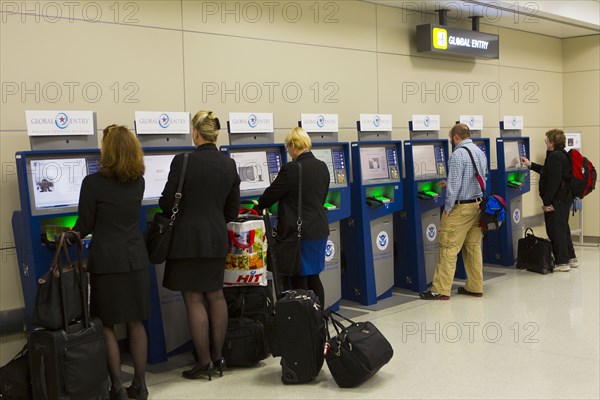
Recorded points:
(417, 225)
(511, 180)
(257, 165)
(368, 235)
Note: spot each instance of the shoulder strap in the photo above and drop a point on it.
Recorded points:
(178, 194)
(299, 222)
(477, 176)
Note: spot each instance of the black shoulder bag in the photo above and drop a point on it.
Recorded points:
(159, 233)
(287, 249)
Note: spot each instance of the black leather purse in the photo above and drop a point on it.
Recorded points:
(58, 299)
(356, 353)
(159, 232)
(287, 248)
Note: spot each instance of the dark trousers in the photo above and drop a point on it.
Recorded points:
(559, 232)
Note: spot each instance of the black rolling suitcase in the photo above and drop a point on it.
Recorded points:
(300, 329)
(69, 363)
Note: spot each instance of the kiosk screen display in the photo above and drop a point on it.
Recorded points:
(428, 160)
(257, 169)
(156, 174)
(379, 164)
(512, 155)
(56, 182)
(334, 158)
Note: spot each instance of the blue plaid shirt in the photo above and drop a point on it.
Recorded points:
(462, 184)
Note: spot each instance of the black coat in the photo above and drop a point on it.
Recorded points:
(211, 199)
(315, 185)
(554, 175)
(111, 210)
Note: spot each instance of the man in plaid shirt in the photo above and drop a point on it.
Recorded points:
(460, 228)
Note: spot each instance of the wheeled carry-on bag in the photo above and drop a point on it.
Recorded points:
(300, 329)
(69, 363)
(535, 254)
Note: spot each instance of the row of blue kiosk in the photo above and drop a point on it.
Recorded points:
(384, 206)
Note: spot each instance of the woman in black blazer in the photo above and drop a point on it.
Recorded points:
(109, 206)
(196, 262)
(315, 227)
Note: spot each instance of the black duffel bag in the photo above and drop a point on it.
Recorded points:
(245, 342)
(356, 353)
(535, 254)
(15, 378)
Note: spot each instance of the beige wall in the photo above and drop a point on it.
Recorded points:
(581, 81)
(343, 57)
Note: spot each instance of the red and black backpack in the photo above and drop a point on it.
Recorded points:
(583, 181)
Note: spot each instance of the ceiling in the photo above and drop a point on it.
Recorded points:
(556, 18)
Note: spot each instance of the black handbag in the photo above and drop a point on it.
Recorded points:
(159, 232)
(287, 248)
(58, 298)
(535, 254)
(356, 353)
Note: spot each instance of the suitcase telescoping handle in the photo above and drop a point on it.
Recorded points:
(63, 248)
(271, 259)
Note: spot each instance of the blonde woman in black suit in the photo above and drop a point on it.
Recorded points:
(196, 262)
(109, 206)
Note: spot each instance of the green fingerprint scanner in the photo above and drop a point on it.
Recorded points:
(432, 194)
(382, 199)
(330, 206)
(515, 183)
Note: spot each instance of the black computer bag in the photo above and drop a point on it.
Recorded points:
(535, 254)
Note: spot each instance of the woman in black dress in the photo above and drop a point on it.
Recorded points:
(109, 206)
(196, 262)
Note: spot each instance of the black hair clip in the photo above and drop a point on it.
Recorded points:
(217, 124)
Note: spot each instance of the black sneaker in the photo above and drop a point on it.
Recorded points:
(462, 290)
(429, 295)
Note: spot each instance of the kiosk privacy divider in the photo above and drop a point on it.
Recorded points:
(323, 131)
(417, 225)
(376, 189)
(511, 180)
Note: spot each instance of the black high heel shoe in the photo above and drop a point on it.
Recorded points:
(220, 365)
(137, 392)
(199, 370)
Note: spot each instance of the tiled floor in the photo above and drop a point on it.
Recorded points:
(530, 336)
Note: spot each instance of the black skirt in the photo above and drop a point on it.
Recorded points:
(194, 274)
(118, 298)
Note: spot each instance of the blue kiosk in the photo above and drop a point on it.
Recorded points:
(417, 225)
(511, 180)
(49, 208)
(368, 235)
(475, 124)
(323, 131)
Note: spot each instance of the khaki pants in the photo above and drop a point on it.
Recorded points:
(460, 230)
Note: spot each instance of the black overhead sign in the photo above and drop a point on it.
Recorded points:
(459, 42)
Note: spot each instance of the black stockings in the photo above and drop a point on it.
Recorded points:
(138, 344)
(207, 328)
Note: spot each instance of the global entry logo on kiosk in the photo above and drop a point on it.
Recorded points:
(320, 121)
(377, 121)
(431, 232)
(252, 121)
(329, 251)
(164, 121)
(62, 120)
